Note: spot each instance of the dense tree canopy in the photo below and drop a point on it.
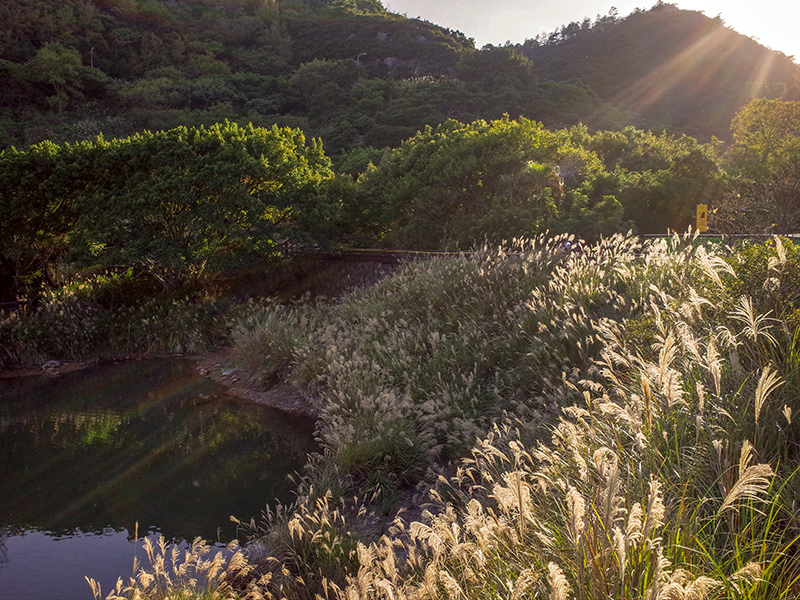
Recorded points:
(457, 184)
(658, 179)
(354, 74)
(181, 203)
(764, 165)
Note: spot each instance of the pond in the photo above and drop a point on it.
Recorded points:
(90, 457)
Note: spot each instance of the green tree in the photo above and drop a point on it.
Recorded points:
(764, 162)
(659, 179)
(495, 66)
(319, 85)
(764, 131)
(38, 188)
(201, 202)
(181, 204)
(59, 68)
(460, 184)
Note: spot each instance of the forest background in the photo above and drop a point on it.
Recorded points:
(609, 125)
(615, 421)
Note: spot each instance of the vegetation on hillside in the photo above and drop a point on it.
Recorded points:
(586, 415)
(191, 207)
(350, 73)
(179, 206)
(358, 76)
(664, 69)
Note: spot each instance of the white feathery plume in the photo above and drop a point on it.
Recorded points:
(753, 481)
(559, 586)
(767, 383)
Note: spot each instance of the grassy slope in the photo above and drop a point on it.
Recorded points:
(620, 421)
(669, 473)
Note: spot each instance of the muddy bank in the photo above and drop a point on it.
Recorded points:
(283, 397)
(53, 368)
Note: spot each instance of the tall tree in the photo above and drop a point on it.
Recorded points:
(182, 204)
(764, 161)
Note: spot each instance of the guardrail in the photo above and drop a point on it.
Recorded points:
(728, 236)
(388, 257)
(394, 257)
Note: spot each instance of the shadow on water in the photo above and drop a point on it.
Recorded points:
(89, 454)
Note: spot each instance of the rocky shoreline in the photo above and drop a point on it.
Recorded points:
(283, 397)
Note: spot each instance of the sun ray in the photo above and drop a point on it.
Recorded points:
(763, 70)
(652, 88)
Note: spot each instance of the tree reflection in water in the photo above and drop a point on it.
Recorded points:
(146, 441)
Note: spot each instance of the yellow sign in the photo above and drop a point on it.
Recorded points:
(702, 218)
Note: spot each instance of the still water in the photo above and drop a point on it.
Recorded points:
(85, 456)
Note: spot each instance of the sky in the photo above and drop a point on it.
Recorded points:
(774, 23)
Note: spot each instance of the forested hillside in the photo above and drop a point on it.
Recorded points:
(357, 76)
(665, 68)
(348, 72)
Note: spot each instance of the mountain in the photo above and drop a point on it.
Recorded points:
(665, 68)
(78, 67)
(358, 76)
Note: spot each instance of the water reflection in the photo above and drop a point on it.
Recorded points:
(98, 450)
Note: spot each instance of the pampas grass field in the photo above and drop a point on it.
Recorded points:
(529, 422)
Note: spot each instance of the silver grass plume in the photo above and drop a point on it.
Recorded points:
(767, 383)
(559, 586)
(682, 587)
(633, 532)
(713, 266)
(524, 581)
(714, 366)
(655, 513)
(753, 481)
(611, 496)
(755, 326)
(746, 576)
(576, 509)
(776, 263)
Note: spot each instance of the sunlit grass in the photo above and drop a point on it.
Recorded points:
(616, 423)
(197, 573)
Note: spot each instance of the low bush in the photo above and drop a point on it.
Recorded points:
(108, 317)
